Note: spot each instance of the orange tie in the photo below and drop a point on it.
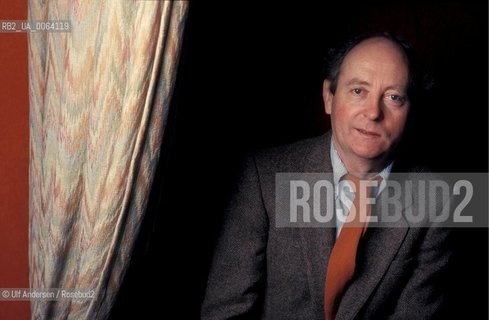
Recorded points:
(341, 265)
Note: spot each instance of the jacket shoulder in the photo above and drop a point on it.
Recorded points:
(289, 157)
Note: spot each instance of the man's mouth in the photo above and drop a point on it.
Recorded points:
(367, 133)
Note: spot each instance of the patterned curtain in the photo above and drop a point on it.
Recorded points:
(99, 98)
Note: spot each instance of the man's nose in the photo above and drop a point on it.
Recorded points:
(373, 109)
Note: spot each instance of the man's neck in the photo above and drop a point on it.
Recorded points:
(362, 168)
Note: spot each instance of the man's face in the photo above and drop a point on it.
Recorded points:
(369, 108)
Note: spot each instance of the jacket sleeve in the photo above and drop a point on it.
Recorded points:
(235, 282)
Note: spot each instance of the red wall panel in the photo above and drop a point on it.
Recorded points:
(14, 161)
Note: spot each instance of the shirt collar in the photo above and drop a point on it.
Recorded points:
(339, 169)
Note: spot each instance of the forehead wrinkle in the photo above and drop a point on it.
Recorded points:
(358, 81)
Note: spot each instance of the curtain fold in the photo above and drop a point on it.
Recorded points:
(99, 97)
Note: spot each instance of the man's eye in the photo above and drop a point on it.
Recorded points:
(397, 99)
(357, 91)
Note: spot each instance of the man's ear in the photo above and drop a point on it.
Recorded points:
(327, 96)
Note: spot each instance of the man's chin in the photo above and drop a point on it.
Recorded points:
(371, 155)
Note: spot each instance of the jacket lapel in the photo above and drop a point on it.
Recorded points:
(317, 242)
(379, 247)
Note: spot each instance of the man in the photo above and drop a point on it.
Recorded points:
(261, 271)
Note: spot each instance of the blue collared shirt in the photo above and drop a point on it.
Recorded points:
(344, 198)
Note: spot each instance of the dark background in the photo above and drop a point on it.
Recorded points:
(249, 77)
